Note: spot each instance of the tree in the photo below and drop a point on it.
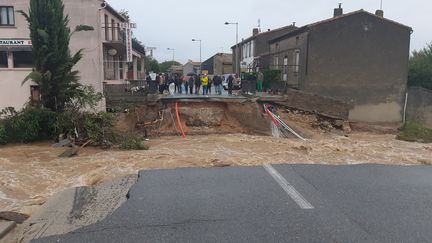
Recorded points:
(151, 65)
(165, 66)
(420, 68)
(53, 62)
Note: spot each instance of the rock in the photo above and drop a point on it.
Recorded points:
(70, 152)
(346, 127)
(15, 217)
(62, 143)
(338, 123)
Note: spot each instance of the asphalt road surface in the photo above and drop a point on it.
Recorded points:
(279, 203)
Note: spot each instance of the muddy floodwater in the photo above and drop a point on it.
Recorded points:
(30, 174)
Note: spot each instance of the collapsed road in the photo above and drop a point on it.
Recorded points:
(274, 203)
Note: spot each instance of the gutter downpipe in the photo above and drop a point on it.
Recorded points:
(405, 108)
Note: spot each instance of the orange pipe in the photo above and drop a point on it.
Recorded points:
(179, 122)
(271, 117)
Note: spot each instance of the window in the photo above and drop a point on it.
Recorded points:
(106, 27)
(113, 30)
(121, 67)
(296, 61)
(7, 16)
(276, 61)
(3, 59)
(23, 59)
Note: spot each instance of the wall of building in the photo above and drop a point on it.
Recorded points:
(208, 65)
(259, 45)
(293, 71)
(85, 12)
(362, 60)
(419, 107)
(219, 64)
(81, 12)
(115, 67)
(12, 93)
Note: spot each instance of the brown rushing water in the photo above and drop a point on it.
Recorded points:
(29, 174)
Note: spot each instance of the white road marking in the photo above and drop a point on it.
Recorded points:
(288, 188)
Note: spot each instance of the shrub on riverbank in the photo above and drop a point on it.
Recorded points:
(133, 142)
(31, 124)
(415, 132)
(35, 123)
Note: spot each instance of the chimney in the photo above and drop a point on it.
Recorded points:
(255, 31)
(293, 24)
(379, 13)
(338, 11)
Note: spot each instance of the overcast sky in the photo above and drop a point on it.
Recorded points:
(173, 24)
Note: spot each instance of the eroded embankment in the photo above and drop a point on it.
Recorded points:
(197, 118)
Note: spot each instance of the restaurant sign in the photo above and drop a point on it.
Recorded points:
(11, 42)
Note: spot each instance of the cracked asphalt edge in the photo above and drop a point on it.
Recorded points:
(74, 208)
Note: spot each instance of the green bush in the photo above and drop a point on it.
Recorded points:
(99, 127)
(415, 132)
(271, 76)
(132, 142)
(31, 124)
(3, 137)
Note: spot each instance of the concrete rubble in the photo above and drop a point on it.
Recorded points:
(73, 208)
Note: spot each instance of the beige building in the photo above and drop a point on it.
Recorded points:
(105, 52)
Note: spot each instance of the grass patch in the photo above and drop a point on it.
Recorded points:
(414, 132)
(133, 142)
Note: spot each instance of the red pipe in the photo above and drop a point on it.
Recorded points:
(179, 122)
(271, 117)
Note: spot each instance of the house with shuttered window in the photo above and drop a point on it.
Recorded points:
(104, 56)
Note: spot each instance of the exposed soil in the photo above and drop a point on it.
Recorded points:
(197, 118)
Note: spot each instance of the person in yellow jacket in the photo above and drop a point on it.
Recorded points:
(204, 83)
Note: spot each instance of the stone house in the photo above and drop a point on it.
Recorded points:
(220, 63)
(359, 57)
(245, 54)
(191, 67)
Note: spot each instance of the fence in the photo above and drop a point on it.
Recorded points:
(249, 86)
(419, 106)
(130, 91)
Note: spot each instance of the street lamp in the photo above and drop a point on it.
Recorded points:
(237, 63)
(236, 23)
(173, 50)
(200, 51)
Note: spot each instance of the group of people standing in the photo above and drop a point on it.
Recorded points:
(193, 84)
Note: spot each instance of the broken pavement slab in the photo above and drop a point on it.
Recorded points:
(18, 218)
(5, 227)
(74, 208)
